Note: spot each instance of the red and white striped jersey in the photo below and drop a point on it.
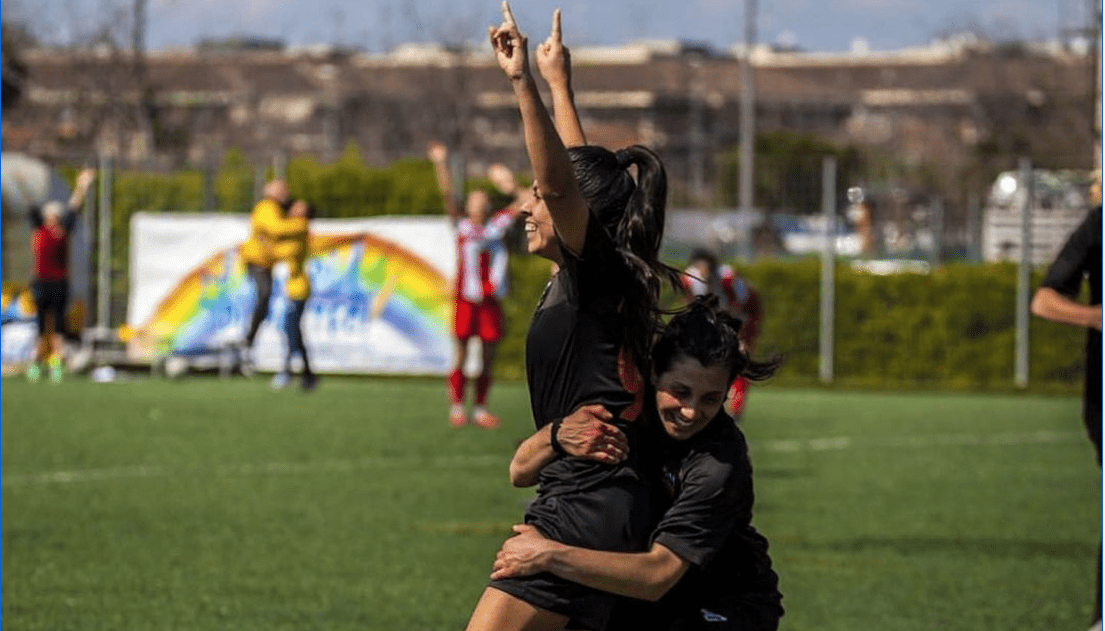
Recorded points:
(734, 294)
(482, 257)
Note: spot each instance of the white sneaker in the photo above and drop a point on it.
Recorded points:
(280, 380)
(1096, 626)
(244, 360)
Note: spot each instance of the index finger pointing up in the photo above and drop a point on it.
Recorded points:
(508, 17)
(555, 35)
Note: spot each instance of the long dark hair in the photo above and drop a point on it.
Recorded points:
(704, 332)
(631, 211)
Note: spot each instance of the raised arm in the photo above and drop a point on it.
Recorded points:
(644, 575)
(554, 62)
(439, 156)
(502, 177)
(585, 433)
(80, 190)
(552, 171)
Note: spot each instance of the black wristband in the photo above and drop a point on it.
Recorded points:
(556, 446)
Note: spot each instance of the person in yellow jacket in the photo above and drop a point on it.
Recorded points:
(291, 248)
(267, 224)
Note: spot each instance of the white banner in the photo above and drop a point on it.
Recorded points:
(381, 299)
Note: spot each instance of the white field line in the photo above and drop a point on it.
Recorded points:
(271, 468)
(937, 440)
(838, 443)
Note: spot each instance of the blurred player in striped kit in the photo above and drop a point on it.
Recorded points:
(704, 275)
(482, 281)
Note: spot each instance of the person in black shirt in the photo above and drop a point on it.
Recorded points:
(1056, 300)
(588, 341)
(707, 567)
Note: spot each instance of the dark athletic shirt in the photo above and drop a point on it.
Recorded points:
(1079, 258)
(51, 249)
(572, 359)
(707, 519)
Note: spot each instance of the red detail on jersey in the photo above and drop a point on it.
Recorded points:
(51, 252)
(633, 384)
(487, 286)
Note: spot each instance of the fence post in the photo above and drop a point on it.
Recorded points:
(828, 266)
(280, 166)
(103, 268)
(208, 184)
(258, 182)
(1024, 269)
(936, 224)
(974, 229)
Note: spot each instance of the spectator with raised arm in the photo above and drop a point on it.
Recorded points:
(51, 227)
(481, 282)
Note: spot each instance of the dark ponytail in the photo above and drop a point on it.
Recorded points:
(631, 212)
(710, 335)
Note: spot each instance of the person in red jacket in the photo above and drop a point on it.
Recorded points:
(51, 226)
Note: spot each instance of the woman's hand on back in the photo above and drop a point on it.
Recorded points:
(587, 433)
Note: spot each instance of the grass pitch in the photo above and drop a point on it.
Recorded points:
(204, 504)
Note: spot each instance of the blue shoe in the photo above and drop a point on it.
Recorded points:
(280, 381)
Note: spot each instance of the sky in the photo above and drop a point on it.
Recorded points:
(378, 25)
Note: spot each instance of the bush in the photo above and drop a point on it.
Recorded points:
(951, 329)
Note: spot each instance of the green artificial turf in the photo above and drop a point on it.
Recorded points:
(205, 504)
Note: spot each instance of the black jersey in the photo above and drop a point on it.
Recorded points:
(1080, 259)
(573, 358)
(708, 522)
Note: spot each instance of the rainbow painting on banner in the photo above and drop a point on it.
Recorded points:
(375, 306)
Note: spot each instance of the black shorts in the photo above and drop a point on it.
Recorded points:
(51, 298)
(610, 516)
(748, 612)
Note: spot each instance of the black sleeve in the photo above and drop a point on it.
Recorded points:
(35, 217)
(1066, 272)
(69, 220)
(715, 497)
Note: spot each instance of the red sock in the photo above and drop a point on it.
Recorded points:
(456, 386)
(483, 385)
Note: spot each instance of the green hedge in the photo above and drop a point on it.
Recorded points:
(951, 329)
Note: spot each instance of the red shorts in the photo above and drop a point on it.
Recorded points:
(484, 320)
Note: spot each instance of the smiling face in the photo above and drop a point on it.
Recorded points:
(540, 230)
(689, 395)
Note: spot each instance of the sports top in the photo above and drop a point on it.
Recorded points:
(574, 354)
(482, 257)
(50, 246)
(1080, 258)
(267, 224)
(292, 249)
(707, 519)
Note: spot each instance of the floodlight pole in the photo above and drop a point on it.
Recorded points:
(747, 114)
(103, 282)
(1024, 268)
(828, 267)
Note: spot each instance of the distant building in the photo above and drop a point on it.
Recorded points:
(941, 104)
